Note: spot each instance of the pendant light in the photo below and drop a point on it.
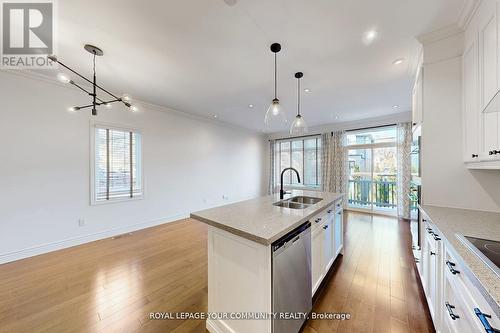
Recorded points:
(299, 126)
(275, 115)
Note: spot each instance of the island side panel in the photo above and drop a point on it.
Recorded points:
(239, 280)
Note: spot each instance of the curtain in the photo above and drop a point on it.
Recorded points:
(326, 162)
(403, 178)
(272, 179)
(334, 162)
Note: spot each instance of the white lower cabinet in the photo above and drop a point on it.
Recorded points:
(457, 316)
(432, 270)
(339, 229)
(328, 248)
(455, 303)
(326, 243)
(317, 258)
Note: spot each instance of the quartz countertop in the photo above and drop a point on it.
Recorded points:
(479, 224)
(259, 220)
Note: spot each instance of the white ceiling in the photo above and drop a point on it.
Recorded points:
(208, 58)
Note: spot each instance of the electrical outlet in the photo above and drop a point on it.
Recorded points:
(225, 197)
(81, 222)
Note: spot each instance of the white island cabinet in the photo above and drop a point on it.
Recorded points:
(240, 258)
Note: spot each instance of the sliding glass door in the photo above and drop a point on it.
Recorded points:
(372, 170)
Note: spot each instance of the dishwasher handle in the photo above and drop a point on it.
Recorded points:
(291, 237)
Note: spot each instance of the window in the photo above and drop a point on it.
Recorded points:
(117, 164)
(302, 154)
(372, 136)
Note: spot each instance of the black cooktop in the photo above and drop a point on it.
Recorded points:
(489, 248)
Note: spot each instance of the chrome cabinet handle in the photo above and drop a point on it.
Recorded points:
(318, 219)
(483, 318)
(433, 253)
(329, 211)
(325, 227)
(450, 308)
(436, 237)
(451, 266)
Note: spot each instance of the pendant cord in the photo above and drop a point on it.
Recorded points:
(298, 97)
(94, 63)
(275, 77)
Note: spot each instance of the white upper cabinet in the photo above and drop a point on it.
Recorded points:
(488, 65)
(470, 102)
(417, 98)
(481, 73)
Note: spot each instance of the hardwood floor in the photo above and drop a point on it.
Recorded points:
(112, 285)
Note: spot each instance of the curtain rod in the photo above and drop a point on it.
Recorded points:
(371, 127)
(297, 137)
(319, 134)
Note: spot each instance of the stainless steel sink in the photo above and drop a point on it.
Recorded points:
(298, 202)
(306, 200)
(289, 204)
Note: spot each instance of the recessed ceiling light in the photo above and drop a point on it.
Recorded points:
(250, 106)
(134, 108)
(215, 116)
(395, 106)
(336, 117)
(307, 90)
(398, 61)
(369, 36)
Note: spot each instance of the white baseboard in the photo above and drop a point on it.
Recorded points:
(218, 326)
(58, 245)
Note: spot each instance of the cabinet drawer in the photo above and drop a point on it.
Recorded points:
(457, 316)
(474, 302)
(318, 221)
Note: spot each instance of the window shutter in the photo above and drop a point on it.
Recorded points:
(117, 164)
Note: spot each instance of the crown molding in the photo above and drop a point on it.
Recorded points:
(142, 104)
(440, 34)
(468, 11)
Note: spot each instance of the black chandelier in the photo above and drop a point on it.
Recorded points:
(96, 100)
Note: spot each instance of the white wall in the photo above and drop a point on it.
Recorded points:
(445, 179)
(189, 163)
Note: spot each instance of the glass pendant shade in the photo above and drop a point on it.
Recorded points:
(275, 115)
(299, 126)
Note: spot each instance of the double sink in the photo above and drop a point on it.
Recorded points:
(298, 202)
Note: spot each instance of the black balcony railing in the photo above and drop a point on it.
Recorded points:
(378, 193)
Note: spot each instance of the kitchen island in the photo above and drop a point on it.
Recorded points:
(240, 258)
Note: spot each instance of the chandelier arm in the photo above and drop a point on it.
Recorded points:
(83, 77)
(84, 107)
(98, 104)
(85, 90)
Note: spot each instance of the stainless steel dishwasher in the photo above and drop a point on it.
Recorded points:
(291, 277)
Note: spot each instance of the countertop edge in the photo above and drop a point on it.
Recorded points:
(260, 240)
(229, 229)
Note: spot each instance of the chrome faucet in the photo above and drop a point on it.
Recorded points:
(282, 193)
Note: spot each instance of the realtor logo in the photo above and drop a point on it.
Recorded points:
(27, 34)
